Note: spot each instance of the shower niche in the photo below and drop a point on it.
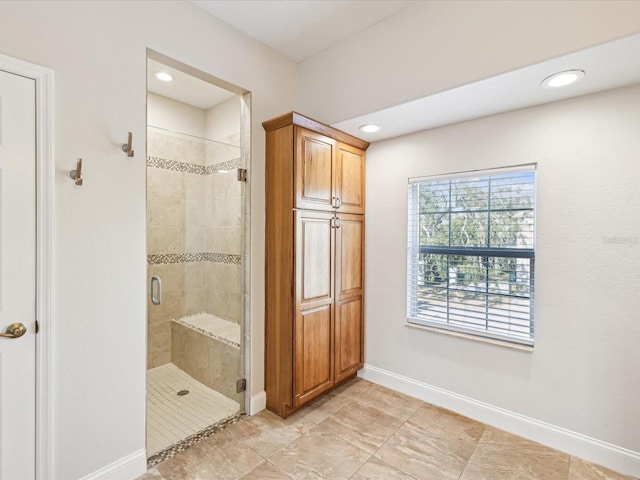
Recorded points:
(196, 245)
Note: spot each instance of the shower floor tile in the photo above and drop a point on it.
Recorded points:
(171, 417)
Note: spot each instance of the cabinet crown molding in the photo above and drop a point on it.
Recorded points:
(294, 118)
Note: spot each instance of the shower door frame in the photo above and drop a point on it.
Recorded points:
(244, 368)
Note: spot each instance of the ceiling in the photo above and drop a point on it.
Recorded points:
(610, 65)
(184, 87)
(299, 29)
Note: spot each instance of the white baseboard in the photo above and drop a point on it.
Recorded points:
(258, 402)
(588, 448)
(131, 466)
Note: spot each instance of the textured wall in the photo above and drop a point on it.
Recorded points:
(441, 44)
(583, 373)
(98, 52)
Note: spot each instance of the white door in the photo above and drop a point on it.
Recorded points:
(17, 277)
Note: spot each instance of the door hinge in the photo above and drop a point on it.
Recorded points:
(241, 385)
(242, 174)
(37, 326)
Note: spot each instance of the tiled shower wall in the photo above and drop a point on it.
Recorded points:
(194, 232)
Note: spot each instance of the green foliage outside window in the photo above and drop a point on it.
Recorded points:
(474, 252)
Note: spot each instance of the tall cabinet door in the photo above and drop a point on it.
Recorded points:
(349, 305)
(314, 165)
(313, 335)
(350, 179)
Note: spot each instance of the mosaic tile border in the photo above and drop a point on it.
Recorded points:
(185, 167)
(207, 333)
(174, 165)
(168, 258)
(182, 445)
(228, 165)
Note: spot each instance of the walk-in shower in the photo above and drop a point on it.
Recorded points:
(197, 232)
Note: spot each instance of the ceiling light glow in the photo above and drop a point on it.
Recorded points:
(164, 76)
(370, 128)
(562, 79)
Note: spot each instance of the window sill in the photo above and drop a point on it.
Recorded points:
(492, 341)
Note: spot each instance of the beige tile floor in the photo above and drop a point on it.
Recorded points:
(364, 431)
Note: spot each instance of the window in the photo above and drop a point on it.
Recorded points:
(471, 253)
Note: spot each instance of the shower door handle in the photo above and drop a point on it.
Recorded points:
(156, 290)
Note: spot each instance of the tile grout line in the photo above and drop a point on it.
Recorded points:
(372, 455)
(474, 451)
(389, 438)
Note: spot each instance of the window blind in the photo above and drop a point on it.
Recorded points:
(471, 253)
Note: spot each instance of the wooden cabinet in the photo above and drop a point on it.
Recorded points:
(349, 179)
(349, 295)
(329, 174)
(314, 309)
(314, 312)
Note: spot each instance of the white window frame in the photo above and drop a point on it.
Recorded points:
(443, 321)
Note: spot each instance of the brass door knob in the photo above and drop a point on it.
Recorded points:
(14, 330)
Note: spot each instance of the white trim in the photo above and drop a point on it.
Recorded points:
(468, 336)
(258, 402)
(45, 175)
(527, 167)
(127, 467)
(602, 453)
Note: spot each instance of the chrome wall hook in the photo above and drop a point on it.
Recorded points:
(76, 175)
(126, 147)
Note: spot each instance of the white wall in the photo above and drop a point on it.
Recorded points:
(176, 116)
(583, 374)
(98, 52)
(437, 45)
(223, 119)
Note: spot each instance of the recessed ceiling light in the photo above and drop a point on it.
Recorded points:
(370, 128)
(562, 79)
(164, 76)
